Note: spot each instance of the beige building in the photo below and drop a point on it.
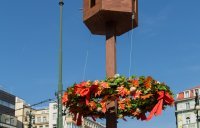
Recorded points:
(40, 117)
(46, 117)
(21, 108)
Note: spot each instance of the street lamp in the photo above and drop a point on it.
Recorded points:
(197, 107)
(60, 85)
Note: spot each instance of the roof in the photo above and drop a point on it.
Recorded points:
(191, 88)
(180, 96)
(7, 93)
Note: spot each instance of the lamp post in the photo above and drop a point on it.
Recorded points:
(30, 115)
(197, 107)
(60, 85)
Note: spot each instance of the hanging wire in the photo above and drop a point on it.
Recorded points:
(131, 50)
(86, 59)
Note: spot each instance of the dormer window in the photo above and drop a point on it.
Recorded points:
(92, 3)
(187, 94)
(187, 120)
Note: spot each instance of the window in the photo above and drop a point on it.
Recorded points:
(6, 104)
(187, 94)
(39, 119)
(54, 116)
(44, 119)
(55, 106)
(188, 120)
(187, 105)
(92, 3)
(33, 120)
(46, 126)
(12, 121)
(54, 126)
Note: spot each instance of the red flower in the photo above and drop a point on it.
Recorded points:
(84, 89)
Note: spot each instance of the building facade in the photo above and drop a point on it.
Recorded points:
(67, 119)
(46, 117)
(7, 110)
(88, 123)
(41, 118)
(52, 115)
(26, 116)
(22, 111)
(185, 108)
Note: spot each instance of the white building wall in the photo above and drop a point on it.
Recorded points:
(52, 113)
(67, 119)
(186, 117)
(182, 105)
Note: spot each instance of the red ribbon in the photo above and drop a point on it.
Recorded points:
(78, 119)
(163, 98)
(83, 90)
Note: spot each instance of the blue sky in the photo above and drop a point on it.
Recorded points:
(165, 45)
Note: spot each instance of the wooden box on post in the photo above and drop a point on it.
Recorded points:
(96, 13)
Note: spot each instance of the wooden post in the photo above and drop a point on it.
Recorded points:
(110, 50)
(111, 117)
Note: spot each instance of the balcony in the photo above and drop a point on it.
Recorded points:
(8, 121)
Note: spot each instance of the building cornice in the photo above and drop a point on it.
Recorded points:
(188, 110)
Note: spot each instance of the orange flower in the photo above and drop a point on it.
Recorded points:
(65, 98)
(135, 82)
(79, 87)
(124, 103)
(148, 81)
(96, 82)
(128, 102)
(123, 91)
(103, 105)
(135, 113)
(146, 96)
(101, 87)
(137, 94)
(104, 85)
(121, 106)
(92, 105)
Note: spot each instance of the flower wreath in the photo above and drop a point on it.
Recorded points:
(135, 97)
